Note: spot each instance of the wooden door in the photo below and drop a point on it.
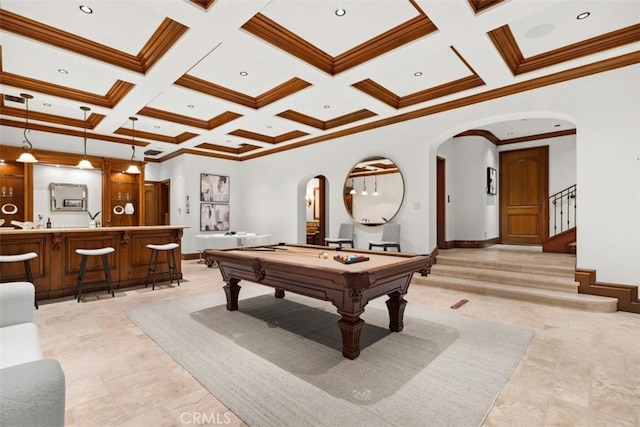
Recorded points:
(150, 204)
(524, 189)
(441, 203)
(322, 220)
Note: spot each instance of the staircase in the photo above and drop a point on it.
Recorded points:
(515, 272)
(562, 222)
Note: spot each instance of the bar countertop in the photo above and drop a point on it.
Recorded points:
(10, 230)
(55, 269)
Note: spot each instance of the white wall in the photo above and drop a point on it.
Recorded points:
(471, 213)
(183, 173)
(267, 193)
(43, 175)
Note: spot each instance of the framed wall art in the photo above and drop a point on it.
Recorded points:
(214, 188)
(492, 181)
(214, 217)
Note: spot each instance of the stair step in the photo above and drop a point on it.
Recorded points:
(513, 278)
(541, 296)
(549, 268)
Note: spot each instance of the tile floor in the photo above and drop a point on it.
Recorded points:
(581, 369)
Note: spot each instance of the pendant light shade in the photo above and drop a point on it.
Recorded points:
(85, 163)
(364, 187)
(133, 168)
(27, 157)
(353, 188)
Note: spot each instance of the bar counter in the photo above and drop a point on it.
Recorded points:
(55, 270)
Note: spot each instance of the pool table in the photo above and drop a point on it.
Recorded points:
(303, 270)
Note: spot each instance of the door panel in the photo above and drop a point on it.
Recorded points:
(523, 194)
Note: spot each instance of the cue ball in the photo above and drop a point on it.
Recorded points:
(325, 255)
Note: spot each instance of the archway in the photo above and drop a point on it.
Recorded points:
(472, 213)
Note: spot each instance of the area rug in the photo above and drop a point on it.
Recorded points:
(278, 362)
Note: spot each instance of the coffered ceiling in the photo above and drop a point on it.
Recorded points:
(242, 79)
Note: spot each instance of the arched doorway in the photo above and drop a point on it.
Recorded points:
(315, 212)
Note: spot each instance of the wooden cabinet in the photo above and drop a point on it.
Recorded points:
(122, 193)
(14, 185)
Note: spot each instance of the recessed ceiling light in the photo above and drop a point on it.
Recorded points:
(509, 133)
(268, 126)
(341, 12)
(190, 106)
(46, 104)
(583, 15)
(327, 106)
(86, 9)
(244, 73)
(417, 73)
(156, 127)
(62, 71)
(556, 126)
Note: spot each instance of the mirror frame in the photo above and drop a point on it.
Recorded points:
(76, 200)
(357, 171)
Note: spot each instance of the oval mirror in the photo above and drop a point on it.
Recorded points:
(373, 191)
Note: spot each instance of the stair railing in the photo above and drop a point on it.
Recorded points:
(562, 210)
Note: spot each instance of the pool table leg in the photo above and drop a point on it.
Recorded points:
(395, 306)
(350, 327)
(279, 293)
(232, 289)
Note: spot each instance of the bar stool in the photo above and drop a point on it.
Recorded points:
(26, 257)
(83, 266)
(171, 262)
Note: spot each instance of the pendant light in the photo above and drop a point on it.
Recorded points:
(364, 187)
(375, 186)
(85, 163)
(133, 168)
(353, 188)
(27, 157)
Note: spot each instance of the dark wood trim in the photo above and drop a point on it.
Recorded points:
(186, 257)
(559, 77)
(205, 4)
(474, 244)
(71, 132)
(110, 99)
(497, 141)
(268, 139)
(559, 243)
(212, 123)
(441, 202)
(481, 5)
(165, 36)
(244, 148)
(506, 44)
(434, 255)
(627, 295)
(329, 124)
(382, 94)
(279, 92)
(271, 32)
(92, 120)
(184, 136)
